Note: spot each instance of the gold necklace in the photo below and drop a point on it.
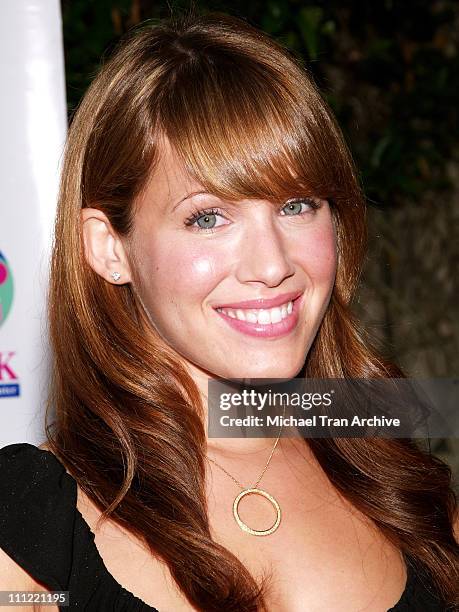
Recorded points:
(255, 491)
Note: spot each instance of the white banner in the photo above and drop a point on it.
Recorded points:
(33, 126)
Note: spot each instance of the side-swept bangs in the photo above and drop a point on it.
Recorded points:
(247, 123)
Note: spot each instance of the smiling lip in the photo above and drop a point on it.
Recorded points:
(269, 330)
(283, 298)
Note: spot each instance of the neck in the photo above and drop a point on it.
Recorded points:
(231, 447)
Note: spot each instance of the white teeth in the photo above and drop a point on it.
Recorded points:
(240, 315)
(261, 316)
(264, 317)
(276, 315)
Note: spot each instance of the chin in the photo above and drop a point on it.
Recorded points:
(273, 372)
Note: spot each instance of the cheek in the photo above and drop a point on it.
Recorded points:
(187, 271)
(317, 254)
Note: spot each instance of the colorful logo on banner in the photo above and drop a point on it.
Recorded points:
(6, 289)
(9, 382)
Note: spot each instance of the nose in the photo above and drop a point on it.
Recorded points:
(265, 252)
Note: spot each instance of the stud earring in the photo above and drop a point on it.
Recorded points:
(116, 276)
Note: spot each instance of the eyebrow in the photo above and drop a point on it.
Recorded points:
(190, 195)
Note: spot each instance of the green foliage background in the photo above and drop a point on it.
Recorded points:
(390, 71)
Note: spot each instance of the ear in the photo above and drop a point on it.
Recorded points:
(104, 250)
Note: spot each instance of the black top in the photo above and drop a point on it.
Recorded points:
(44, 532)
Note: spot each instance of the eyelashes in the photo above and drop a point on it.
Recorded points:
(208, 213)
(198, 213)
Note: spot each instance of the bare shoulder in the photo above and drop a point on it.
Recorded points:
(14, 578)
(44, 446)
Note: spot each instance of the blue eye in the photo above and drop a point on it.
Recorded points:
(294, 206)
(206, 218)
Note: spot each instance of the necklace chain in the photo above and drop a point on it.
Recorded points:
(264, 469)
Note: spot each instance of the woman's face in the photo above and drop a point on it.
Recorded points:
(231, 253)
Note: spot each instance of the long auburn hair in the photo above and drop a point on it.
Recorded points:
(247, 121)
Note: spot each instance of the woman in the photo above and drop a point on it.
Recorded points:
(204, 170)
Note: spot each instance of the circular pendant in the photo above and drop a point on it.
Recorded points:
(243, 526)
